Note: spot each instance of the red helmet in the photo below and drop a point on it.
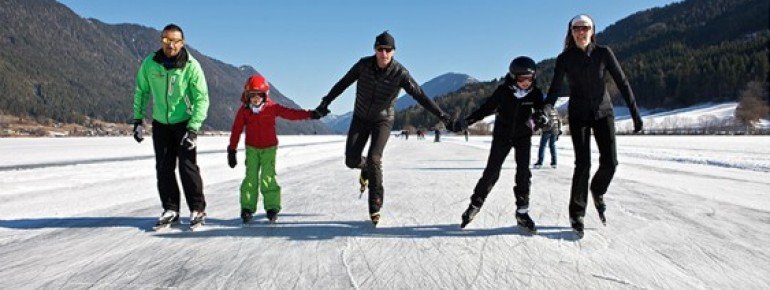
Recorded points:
(255, 83)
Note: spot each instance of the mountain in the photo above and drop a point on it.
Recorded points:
(338, 123)
(436, 87)
(686, 53)
(55, 64)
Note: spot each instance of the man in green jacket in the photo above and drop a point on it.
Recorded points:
(180, 100)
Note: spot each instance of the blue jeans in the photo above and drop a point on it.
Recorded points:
(547, 137)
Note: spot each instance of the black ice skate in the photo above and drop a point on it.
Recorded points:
(601, 207)
(375, 218)
(577, 226)
(166, 219)
(469, 214)
(363, 181)
(272, 215)
(197, 220)
(524, 221)
(246, 216)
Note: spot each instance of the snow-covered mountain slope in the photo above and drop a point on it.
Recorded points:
(338, 123)
(436, 87)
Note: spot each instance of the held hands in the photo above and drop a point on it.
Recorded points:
(138, 130)
(541, 120)
(316, 115)
(322, 110)
(231, 159)
(189, 140)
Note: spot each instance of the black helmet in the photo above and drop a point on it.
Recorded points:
(522, 66)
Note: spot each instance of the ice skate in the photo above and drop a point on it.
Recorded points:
(375, 218)
(469, 214)
(197, 220)
(272, 215)
(577, 226)
(166, 219)
(524, 221)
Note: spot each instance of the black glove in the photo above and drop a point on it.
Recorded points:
(189, 140)
(316, 115)
(231, 160)
(638, 124)
(459, 125)
(138, 130)
(322, 109)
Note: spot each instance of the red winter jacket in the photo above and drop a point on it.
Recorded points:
(260, 127)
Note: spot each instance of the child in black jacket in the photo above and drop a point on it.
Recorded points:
(519, 106)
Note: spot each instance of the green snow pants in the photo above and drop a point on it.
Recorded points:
(260, 176)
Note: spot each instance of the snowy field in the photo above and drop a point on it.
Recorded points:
(683, 212)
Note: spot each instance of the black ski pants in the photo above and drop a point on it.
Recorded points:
(371, 165)
(497, 155)
(166, 140)
(604, 133)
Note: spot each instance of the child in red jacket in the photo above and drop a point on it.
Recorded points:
(258, 115)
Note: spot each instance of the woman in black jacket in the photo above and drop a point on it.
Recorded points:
(585, 64)
(517, 102)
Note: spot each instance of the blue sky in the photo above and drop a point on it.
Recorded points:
(304, 47)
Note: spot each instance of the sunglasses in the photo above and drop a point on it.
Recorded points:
(169, 41)
(386, 49)
(581, 28)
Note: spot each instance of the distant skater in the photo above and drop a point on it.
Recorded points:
(548, 137)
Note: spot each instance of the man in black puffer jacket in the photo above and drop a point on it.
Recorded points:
(380, 78)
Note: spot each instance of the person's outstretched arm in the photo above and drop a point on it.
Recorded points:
(613, 66)
(292, 114)
(488, 107)
(412, 88)
(350, 77)
(556, 82)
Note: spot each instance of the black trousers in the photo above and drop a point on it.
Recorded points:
(604, 133)
(371, 165)
(497, 154)
(166, 140)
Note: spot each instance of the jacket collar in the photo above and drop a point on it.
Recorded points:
(387, 69)
(170, 63)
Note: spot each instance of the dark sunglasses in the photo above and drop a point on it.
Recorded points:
(581, 28)
(386, 49)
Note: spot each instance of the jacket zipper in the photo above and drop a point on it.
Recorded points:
(168, 121)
